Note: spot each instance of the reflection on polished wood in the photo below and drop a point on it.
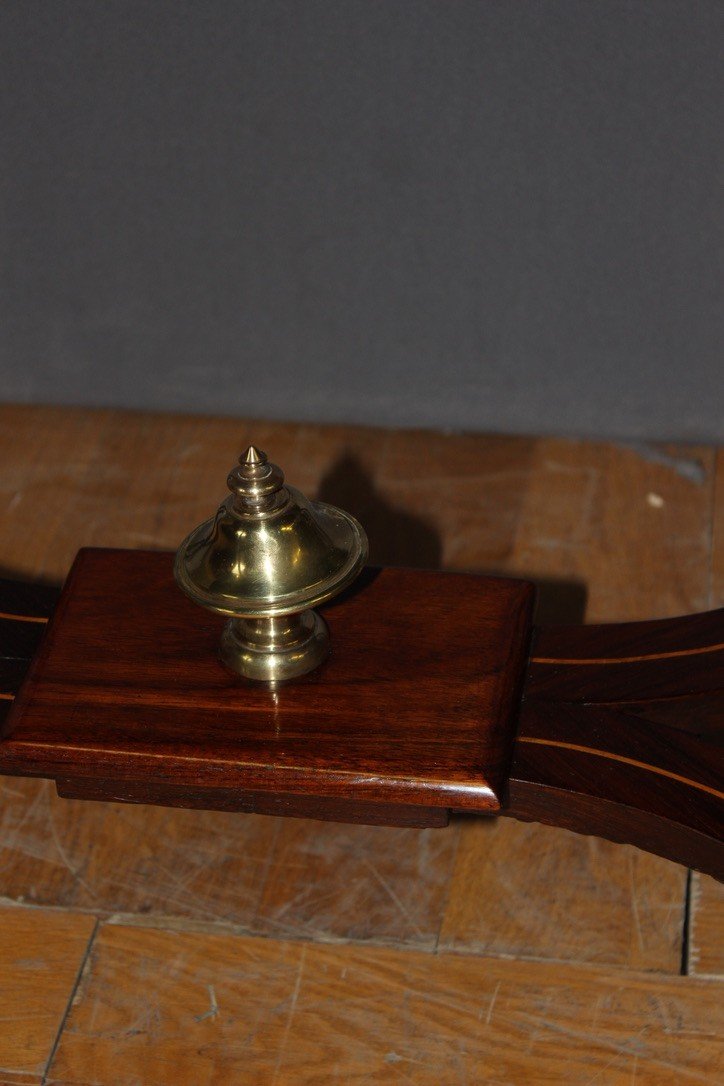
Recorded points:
(428, 725)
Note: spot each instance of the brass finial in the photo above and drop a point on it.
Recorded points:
(256, 483)
(266, 558)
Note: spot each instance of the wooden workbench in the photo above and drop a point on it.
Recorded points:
(162, 946)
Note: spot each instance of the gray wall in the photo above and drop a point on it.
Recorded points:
(485, 215)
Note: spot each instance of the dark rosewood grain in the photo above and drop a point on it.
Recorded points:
(414, 707)
(621, 735)
(269, 803)
(24, 613)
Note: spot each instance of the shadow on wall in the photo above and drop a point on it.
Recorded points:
(399, 538)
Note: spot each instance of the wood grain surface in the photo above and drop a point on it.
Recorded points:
(613, 533)
(415, 705)
(607, 904)
(705, 947)
(199, 1008)
(41, 956)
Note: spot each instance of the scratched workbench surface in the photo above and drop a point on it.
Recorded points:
(150, 946)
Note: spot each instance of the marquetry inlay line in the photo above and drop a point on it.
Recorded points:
(622, 758)
(23, 618)
(7, 697)
(696, 695)
(628, 659)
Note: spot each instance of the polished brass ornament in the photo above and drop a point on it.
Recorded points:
(266, 558)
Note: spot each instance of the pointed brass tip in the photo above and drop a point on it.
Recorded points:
(253, 456)
(256, 482)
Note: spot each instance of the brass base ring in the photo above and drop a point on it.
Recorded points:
(276, 648)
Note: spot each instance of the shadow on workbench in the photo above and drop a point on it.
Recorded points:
(397, 538)
(400, 538)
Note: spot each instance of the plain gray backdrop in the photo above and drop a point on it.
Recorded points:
(463, 214)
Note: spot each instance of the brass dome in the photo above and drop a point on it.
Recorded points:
(269, 551)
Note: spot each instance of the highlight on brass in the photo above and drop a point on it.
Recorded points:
(266, 558)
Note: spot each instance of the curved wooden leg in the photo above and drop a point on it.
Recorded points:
(24, 613)
(621, 735)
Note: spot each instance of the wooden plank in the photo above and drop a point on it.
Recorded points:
(706, 942)
(74, 477)
(437, 500)
(41, 955)
(632, 524)
(176, 1008)
(206, 866)
(357, 882)
(558, 895)
(706, 927)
